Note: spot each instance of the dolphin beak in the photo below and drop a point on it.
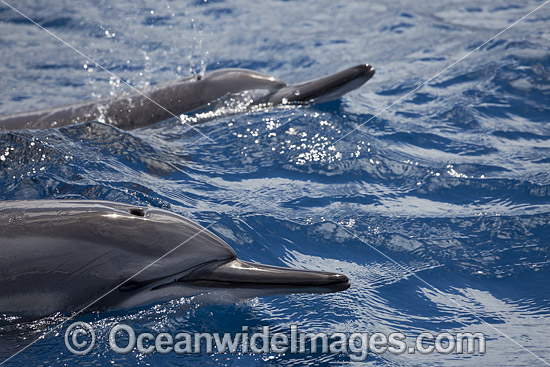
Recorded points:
(243, 274)
(327, 88)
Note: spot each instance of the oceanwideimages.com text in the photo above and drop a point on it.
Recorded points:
(80, 339)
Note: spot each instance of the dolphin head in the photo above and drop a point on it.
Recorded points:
(204, 265)
(80, 254)
(324, 89)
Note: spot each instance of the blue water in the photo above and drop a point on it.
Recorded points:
(438, 209)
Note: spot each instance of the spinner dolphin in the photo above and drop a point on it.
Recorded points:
(81, 255)
(173, 98)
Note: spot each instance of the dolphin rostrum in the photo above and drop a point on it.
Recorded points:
(81, 255)
(166, 100)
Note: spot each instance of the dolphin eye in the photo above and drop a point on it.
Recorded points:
(139, 212)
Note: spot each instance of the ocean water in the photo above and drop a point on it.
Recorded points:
(436, 205)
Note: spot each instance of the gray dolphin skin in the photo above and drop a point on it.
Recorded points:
(69, 255)
(166, 100)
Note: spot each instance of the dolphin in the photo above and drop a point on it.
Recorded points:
(163, 101)
(82, 255)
